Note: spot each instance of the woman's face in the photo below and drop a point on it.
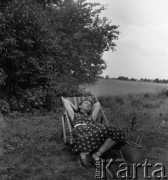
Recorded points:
(86, 106)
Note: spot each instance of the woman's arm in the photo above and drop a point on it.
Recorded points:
(73, 106)
(69, 107)
(95, 110)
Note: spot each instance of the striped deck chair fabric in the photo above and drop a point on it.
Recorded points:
(76, 101)
(66, 120)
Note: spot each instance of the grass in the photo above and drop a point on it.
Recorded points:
(113, 87)
(33, 148)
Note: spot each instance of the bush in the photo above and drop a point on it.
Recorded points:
(151, 105)
(105, 101)
(4, 106)
(119, 100)
(44, 98)
(2, 77)
(166, 92)
(109, 101)
(146, 94)
(135, 102)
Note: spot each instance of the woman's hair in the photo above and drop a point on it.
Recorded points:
(79, 109)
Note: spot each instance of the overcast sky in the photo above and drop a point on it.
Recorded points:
(142, 48)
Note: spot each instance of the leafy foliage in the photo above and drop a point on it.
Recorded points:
(25, 46)
(2, 77)
(48, 49)
(83, 38)
(4, 106)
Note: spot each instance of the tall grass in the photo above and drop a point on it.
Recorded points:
(115, 87)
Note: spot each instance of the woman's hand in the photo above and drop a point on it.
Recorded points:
(62, 98)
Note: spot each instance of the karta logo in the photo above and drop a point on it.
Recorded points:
(130, 171)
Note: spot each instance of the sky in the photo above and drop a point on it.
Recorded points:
(142, 47)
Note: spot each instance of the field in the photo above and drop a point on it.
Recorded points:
(112, 87)
(34, 149)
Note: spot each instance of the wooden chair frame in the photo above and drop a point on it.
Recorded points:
(102, 119)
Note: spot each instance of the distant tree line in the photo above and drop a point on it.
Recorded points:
(126, 78)
(123, 78)
(156, 80)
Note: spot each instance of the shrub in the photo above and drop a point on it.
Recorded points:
(4, 106)
(166, 92)
(135, 102)
(151, 105)
(119, 100)
(105, 101)
(146, 94)
(45, 98)
(110, 101)
(2, 77)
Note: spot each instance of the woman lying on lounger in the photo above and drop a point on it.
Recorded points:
(93, 138)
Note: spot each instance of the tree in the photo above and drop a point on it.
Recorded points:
(83, 38)
(44, 3)
(27, 50)
(133, 79)
(52, 46)
(156, 80)
(107, 77)
(123, 78)
(26, 45)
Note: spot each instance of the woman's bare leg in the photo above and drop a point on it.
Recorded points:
(85, 158)
(83, 154)
(109, 143)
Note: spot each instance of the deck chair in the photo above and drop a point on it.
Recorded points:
(67, 126)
